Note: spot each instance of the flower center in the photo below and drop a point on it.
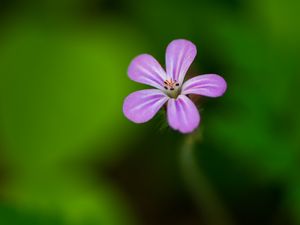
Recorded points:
(172, 88)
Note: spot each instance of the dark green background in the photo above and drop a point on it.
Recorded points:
(68, 156)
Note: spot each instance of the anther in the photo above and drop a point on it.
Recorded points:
(171, 89)
(166, 87)
(177, 84)
(165, 82)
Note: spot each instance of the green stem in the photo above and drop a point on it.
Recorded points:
(213, 211)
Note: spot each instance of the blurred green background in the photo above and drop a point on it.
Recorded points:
(68, 156)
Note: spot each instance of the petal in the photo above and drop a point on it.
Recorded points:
(183, 114)
(146, 70)
(210, 85)
(141, 106)
(179, 56)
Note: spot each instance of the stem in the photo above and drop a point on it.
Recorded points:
(213, 211)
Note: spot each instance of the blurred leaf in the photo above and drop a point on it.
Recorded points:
(61, 97)
(13, 216)
(62, 91)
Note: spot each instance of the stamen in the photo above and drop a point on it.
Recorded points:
(170, 84)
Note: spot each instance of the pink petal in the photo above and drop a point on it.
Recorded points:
(146, 70)
(210, 85)
(141, 106)
(183, 114)
(179, 56)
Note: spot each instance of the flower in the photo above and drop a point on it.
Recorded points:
(182, 114)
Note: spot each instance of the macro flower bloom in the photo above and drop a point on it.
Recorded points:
(182, 114)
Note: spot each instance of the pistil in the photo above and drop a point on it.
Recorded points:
(172, 87)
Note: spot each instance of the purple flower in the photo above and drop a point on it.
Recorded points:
(141, 106)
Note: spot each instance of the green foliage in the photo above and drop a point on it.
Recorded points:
(61, 95)
(13, 216)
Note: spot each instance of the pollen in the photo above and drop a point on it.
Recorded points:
(170, 84)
